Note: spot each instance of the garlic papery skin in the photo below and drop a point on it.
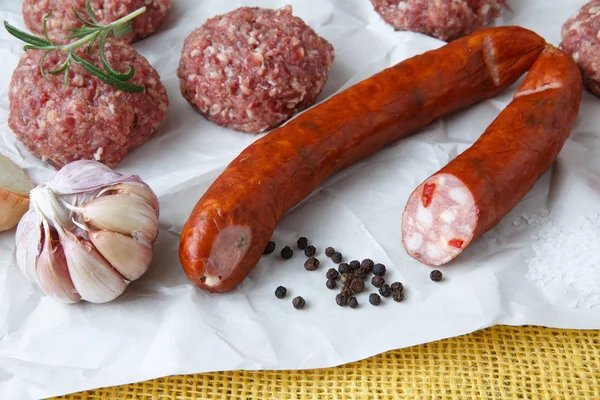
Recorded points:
(87, 239)
(29, 243)
(14, 193)
(52, 270)
(94, 278)
(120, 213)
(85, 176)
(123, 252)
(45, 202)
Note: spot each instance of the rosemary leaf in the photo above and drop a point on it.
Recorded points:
(78, 33)
(46, 26)
(60, 69)
(80, 18)
(118, 75)
(90, 12)
(42, 68)
(91, 45)
(66, 78)
(25, 37)
(91, 68)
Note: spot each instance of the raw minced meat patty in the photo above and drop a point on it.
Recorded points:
(88, 119)
(254, 68)
(581, 40)
(444, 19)
(106, 11)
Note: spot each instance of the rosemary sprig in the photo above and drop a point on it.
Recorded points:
(90, 32)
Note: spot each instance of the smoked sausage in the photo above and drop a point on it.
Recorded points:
(471, 194)
(232, 223)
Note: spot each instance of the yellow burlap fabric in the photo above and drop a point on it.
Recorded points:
(497, 363)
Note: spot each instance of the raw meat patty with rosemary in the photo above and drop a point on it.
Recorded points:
(254, 68)
(106, 11)
(581, 40)
(443, 19)
(89, 119)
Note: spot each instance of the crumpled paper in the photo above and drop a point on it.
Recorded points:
(163, 325)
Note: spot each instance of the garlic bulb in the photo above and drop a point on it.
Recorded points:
(14, 193)
(88, 233)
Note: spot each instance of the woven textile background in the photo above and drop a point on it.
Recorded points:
(498, 363)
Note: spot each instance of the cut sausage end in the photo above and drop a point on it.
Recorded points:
(439, 232)
(228, 249)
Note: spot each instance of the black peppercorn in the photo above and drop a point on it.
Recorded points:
(270, 247)
(377, 281)
(359, 274)
(367, 264)
(352, 302)
(280, 292)
(357, 285)
(336, 257)
(311, 264)
(332, 273)
(331, 284)
(379, 269)
(347, 290)
(329, 251)
(374, 299)
(298, 303)
(302, 243)
(354, 265)
(346, 278)
(341, 300)
(287, 253)
(385, 290)
(344, 268)
(398, 296)
(310, 251)
(397, 287)
(436, 275)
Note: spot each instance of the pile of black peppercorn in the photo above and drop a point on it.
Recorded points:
(351, 274)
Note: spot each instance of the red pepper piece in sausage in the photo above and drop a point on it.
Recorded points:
(480, 186)
(232, 223)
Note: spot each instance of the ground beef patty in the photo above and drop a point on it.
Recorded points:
(444, 19)
(106, 11)
(253, 68)
(88, 119)
(581, 40)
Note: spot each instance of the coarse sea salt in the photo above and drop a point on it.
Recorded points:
(532, 219)
(568, 258)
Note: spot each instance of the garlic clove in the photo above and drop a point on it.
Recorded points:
(14, 193)
(93, 277)
(124, 253)
(134, 189)
(13, 207)
(14, 178)
(121, 213)
(29, 243)
(52, 270)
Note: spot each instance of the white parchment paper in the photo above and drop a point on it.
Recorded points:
(163, 325)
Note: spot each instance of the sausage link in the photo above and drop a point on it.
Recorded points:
(471, 194)
(232, 223)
